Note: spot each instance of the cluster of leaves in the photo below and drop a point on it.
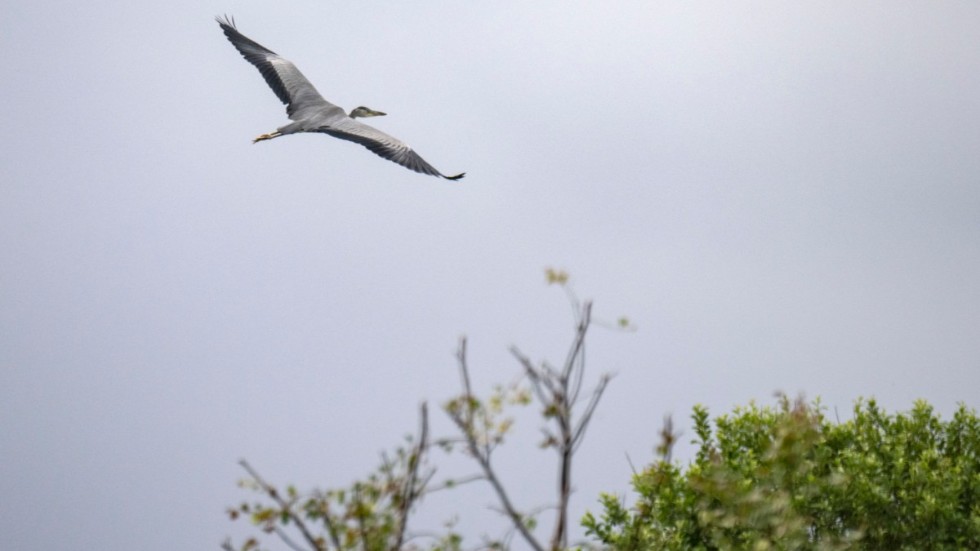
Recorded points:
(370, 515)
(488, 422)
(788, 478)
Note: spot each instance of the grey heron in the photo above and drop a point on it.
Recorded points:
(311, 113)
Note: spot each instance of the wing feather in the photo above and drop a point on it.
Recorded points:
(289, 84)
(383, 145)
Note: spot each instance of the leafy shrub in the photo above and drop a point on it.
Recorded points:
(788, 478)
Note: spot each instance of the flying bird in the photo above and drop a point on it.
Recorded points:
(311, 113)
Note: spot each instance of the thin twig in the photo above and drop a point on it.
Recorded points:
(579, 355)
(287, 540)
(539, 380)
(465, 375)
(565, 398)
(491, 476)
(578, 374)
(558, 392)
(630, 463)
(325, 515)
(573, 302)
(410, 491)
(283, 505)
(590, 409)
(583, 327)
(449, 484)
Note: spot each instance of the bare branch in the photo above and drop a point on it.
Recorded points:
(559, 536)
(483, 459)
(558, 391)
(589, 409)
(448, 441)
(325, 515)
(578, 372)
(583, 327)
(573, 302)
(287, 540)
(538, 379)
(448, 484)
(491, 477)
(410, 491)
(577, 353)
(464, 371)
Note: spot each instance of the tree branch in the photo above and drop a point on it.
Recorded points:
(589, 409)
(583, 327)
(287, 540)
(558, 391)
(410, 491)
(286, 509)
(449, 484)
(483, 456)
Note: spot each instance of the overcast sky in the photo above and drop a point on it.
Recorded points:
(780, 196)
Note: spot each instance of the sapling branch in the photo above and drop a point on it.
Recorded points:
(284, 506)
(464, 421)
(411, 490)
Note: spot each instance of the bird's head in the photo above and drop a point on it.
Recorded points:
(365, 112)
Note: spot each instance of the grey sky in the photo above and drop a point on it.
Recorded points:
(781, 196)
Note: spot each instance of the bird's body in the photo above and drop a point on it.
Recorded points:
(311, 113)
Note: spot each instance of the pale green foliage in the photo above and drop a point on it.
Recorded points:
(788, 478)
(555, 277)
(487, 422)
(365, 516)
(372, 514)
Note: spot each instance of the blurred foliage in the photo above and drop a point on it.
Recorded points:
(373, 513)
(788, 478)
(486, 421)
(367, 516)
(555, 276)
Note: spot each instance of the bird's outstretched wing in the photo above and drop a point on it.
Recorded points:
(299, 96)
(280, 73)
(383, 145)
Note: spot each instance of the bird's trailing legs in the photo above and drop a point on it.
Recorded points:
(268, 136)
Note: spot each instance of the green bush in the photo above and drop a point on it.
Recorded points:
(788, 478)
